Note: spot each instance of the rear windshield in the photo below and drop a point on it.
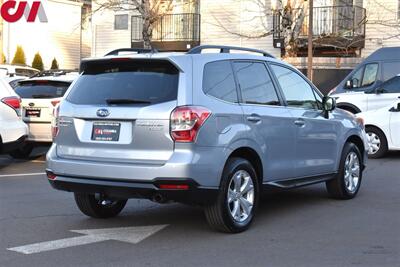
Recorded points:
(42, 89)
(149, 82)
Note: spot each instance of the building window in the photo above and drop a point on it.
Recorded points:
(121, 22)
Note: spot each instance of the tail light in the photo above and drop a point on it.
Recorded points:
(54, 121)
(55, 102)
(186, 122)
(13, 102)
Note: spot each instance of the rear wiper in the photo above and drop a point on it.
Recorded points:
(42, 96)
(116, 101)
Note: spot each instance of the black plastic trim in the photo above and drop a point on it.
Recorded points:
(302, 181)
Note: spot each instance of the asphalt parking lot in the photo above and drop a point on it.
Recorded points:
(302, 227)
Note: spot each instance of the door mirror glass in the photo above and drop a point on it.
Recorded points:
(328, 103)
(349, 84)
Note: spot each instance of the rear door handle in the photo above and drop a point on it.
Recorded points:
(254, 118)
(299, 122)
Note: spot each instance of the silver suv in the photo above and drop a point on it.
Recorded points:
(212, 129)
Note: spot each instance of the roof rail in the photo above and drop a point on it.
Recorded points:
(137, 50)
(54, 72)
(227, 49)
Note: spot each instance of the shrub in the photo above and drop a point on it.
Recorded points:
(19, 57)
(54, 64)
(37, 62)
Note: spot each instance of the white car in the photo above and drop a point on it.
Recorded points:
(361, 101)
(13, 130)
(383, 129)
(17, 70)
(39, 97)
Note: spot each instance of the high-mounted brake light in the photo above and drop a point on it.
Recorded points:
(13, 102)
(186, 122)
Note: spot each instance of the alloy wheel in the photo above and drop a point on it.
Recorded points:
(240, 196)
(352, 172)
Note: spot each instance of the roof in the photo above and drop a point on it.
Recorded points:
(70, 77)
(384, 53)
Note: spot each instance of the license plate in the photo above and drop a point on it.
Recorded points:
(32, 112)
(106, 131)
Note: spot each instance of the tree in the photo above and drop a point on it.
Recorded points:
(37, 62)
(3, 58)
(19, 57)
(54, 64)
(151, 12)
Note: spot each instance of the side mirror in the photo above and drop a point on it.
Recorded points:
(379, 90)
(349, 84)
(328, 103)
(395, 109)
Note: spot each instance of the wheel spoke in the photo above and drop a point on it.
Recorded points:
(236, 210)
(231, 195)
(237, 182)
(247, 186)
(246, 205)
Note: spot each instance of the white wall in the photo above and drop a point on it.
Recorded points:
(59, 38)
(383, 27)
(225, 22)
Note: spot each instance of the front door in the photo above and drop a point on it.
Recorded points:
(387, 93)
(316, 138)
(270, 122)
(395, 126)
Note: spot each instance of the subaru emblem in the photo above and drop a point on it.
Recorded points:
(103, 112)
(31, 104)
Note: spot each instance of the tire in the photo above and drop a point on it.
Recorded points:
(23, 152)
(347, 188)
(92, 207)
(377, 141)
(219, 214)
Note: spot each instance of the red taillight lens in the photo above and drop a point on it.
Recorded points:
(174, 186)
(55, 102)
(51, 175)
(13, 102)
(186, 122)
(54, 121)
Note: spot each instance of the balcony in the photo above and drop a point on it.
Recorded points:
(173, 32)
(337, 31)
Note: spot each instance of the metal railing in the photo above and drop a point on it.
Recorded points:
(330, 21)
(170, 27)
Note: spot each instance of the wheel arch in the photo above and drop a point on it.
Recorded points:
(252, 156)
(349, 107)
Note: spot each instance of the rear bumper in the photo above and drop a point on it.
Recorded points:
(193, 194)
(39, 132)
(203, 165)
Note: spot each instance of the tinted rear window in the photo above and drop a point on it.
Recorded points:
(152, 81)
(42, 89)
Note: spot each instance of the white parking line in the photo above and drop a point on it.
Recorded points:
(22, 174)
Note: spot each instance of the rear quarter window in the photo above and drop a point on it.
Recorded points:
(153, 81)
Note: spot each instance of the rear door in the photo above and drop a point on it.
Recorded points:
(118, 111)
(271, 123)
(317, 137)
(390, 91)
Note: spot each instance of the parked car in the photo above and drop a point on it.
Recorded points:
(17, 70)
(211, 129)
(12, 130)
(379, 97)
(366, 79)
(383, 129)
(39, 96)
